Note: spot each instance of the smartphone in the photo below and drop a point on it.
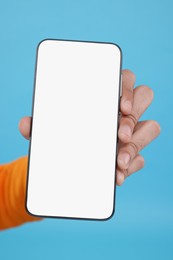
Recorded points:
(72, 153)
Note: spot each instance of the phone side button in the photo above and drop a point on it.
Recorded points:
(121, 87)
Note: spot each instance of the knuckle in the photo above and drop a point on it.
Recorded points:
(129, 120)
(132, 118)
(135, 147)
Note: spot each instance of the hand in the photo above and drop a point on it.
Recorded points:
(133, 135)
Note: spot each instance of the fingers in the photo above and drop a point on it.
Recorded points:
(144, 133)
(136, 165)
(133, 136)
(25, 126)
(128, 81)
(143, 97)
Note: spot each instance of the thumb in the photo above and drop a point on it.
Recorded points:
(25, 126)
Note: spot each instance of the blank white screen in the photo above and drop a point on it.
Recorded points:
(74, 130)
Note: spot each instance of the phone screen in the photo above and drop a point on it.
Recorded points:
(72, 155)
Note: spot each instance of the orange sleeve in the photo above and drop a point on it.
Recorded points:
(12, 194)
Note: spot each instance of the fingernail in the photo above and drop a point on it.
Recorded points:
(120, 178)
(125, 130)
(123, 160)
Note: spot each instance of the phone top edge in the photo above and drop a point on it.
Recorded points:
(83, 41)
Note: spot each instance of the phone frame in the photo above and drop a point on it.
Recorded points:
(30, 141)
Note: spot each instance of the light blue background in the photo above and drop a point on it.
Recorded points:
(142, 227)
